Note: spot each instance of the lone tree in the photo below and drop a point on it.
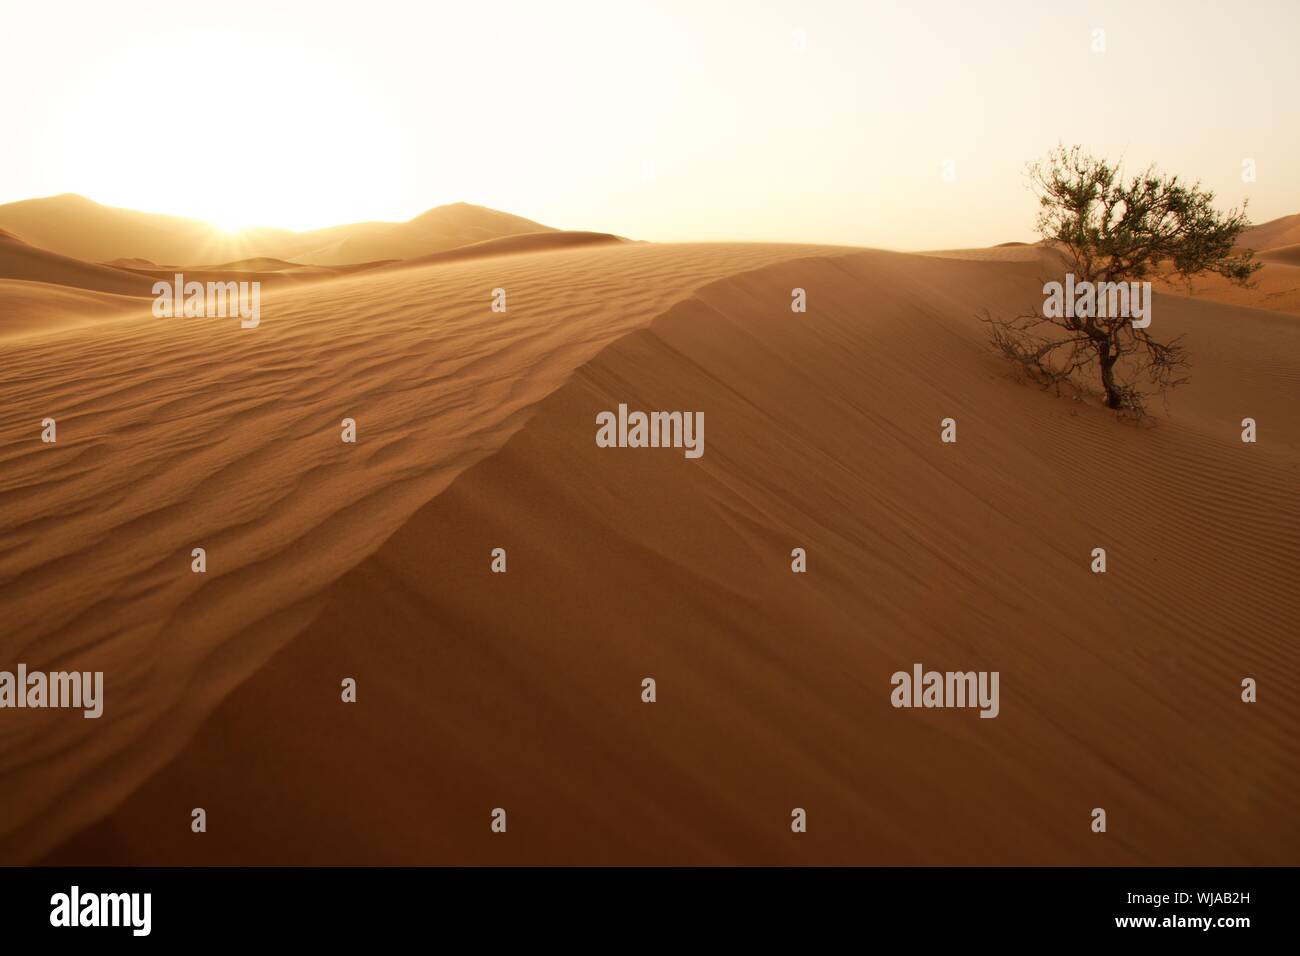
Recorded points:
(1113, 233)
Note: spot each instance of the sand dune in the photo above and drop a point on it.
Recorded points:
(78, 227)
(19, 260)
(252, 264)
(1005, 252)
(193, 432)
(1285, 255)
(1275, 287)
(75, 226)
(1271, 235)
(265, 265)
(273, 277)
(131, 262)
(512, 245)
(437, 230)
(42, 291)
(34, 308)
(522, 690)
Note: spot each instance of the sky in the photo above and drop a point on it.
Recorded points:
(903, 125)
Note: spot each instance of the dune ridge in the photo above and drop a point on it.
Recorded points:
(192, 432)
(522, 690)
(513, 245)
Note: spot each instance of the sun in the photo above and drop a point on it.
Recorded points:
(229, 227)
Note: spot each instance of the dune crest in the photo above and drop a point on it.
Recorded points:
(513, 245)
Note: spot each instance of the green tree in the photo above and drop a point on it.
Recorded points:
(1113, 230)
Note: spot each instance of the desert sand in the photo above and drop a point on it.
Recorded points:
(1275, 287)
(522, 690)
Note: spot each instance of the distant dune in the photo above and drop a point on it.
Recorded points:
(1271, 235)
(522, 690)
(1276, 287)
(1285, 255)
(254, 264)
(1048, 257)
(513, 245)
(34, 303)
(31, 309)
(131, 262)
(18, 260)
(75, 226)
(78, 227)
(438, 230)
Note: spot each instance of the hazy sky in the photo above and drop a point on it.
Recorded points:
(807, 121)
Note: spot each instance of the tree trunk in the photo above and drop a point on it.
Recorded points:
(1108, 360)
